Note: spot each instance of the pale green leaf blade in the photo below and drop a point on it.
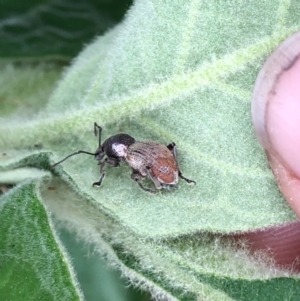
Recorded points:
(178, 72)
(140, 261)
(33, 264)
(198, 267)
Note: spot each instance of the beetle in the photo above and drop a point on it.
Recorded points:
(148, 159)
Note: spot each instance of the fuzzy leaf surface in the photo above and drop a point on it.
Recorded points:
(33, 264)
(190, 268)
(171, 71)
(179, 72)
(25, 89)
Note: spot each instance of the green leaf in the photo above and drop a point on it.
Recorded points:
(36, 28)
(25, 89)
(198, 267)
(33, 264)
(97, 280)
(171, 71)
(181, 72)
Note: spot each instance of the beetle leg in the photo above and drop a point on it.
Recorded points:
(135, 176)
(169, 186)
(186, 179)
(172, 148)
(102, 174)
(154, 180)
(111, 161)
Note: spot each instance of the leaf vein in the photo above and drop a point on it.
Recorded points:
(184, 47)
(149, 98)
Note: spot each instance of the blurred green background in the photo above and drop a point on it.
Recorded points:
(56, 31)
(98, 281)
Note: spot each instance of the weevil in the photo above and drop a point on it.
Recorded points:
(148, 159)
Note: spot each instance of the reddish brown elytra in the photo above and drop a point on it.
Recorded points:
(148, 159)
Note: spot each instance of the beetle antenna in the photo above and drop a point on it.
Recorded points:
(76, 153)
(99, 131)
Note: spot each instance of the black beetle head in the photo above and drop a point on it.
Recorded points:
(115, 147)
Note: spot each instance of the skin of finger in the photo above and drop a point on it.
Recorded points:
(283, 118)
(283, 129)
(276, 111)
(282, 244)
(288, 182)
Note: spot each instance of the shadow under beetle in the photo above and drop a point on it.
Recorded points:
(148, 159)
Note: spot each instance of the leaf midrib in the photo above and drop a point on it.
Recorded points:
(153, 96)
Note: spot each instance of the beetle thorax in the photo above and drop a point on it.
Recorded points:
(119, 149)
